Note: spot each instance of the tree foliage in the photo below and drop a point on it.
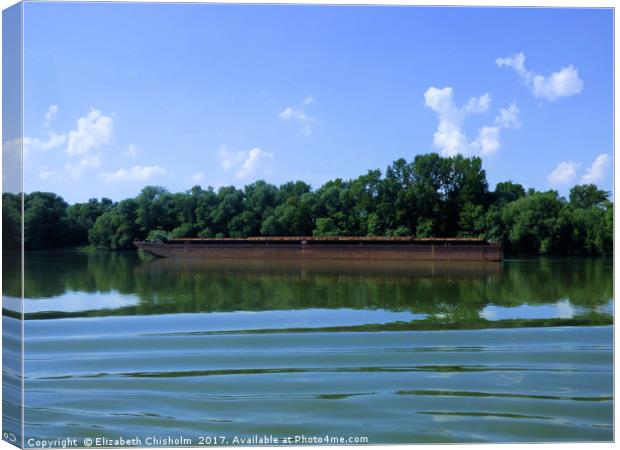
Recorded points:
(429, 196)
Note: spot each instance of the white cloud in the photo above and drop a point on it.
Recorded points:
(517, 62)
(36, 144)
(563, 174)
(256, 157)
(478, 104)
(293, 114)
(508, 117)
(54, 140)
(566, 171)
(197, 177)
(132, 151)
(77, 169)
(92, 131)
(450, 137)
(245, 163)
(50, 114)
(488, 140)
(228, 158)
(563, 83)
(299, 116)
(598, 170)
(134, 174)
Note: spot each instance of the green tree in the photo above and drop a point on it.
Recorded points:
(45, 221)
(156, 209)
(206, 202)
(117, 228)
(11, 221)
(472, 221)
(425, 228)
(293, 217)
(506, 192)
(325, 226)
(430, 173)
(588, 196)
(229, 204)
(533, 224)
(82, 217)
(466, 184)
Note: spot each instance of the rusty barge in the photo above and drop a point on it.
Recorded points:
(352, 248)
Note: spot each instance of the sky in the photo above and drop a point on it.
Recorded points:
(119, 96)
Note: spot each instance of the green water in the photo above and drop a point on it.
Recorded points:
(119, 345)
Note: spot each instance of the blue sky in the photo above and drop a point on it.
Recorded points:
(118, 96)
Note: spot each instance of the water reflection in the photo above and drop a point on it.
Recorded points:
(158, 345)
(562, 310)
(72, 283)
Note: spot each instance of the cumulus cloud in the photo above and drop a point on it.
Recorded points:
(245, 163)
(598, 170)
(256, 157)
(134, 174)
(299, 115)
(17, 153)
(509, 117)
(197, 177)
(50, 115)
(478, 104)
(450, 137)
(92, 131)
(563, 83)
(488, 140)
(77, 169)
(563, 174)
(36, 144)
(228, 158)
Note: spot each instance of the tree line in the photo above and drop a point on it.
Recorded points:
(429, 196)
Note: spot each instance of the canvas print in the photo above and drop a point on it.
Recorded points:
(234, 224)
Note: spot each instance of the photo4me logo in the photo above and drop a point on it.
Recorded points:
(298, 439)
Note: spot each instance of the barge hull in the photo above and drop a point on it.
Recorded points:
(419, 252)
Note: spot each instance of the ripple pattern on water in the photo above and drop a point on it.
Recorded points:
(88, 377)
(399, 352)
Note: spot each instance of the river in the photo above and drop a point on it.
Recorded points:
(122, 345)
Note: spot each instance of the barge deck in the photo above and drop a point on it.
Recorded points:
(359, 248)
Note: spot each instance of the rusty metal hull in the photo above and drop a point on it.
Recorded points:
(351, 251)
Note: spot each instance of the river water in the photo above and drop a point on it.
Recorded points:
(122, 345)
